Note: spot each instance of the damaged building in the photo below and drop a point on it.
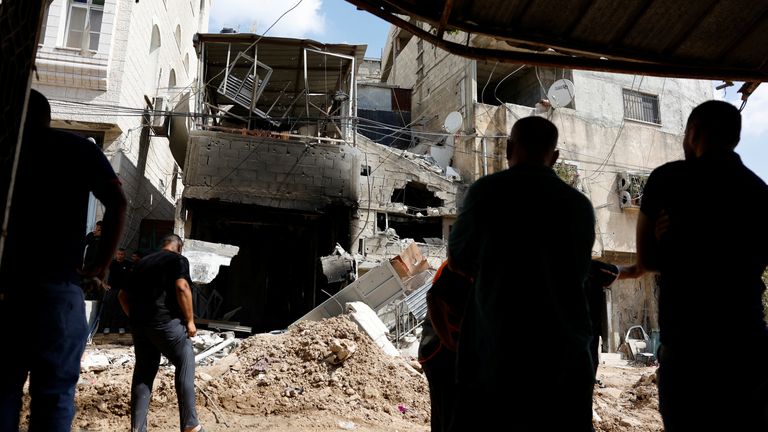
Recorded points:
(274, 167)
(614, 129)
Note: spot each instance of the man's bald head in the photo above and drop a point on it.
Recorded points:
(712, 126)
(533, 141)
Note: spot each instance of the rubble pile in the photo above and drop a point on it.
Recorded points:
(328, 365)
(317, 373)
(630, 408)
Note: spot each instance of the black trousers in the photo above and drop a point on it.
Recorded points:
(441, 376)
(169, 339)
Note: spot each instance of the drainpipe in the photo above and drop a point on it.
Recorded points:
(485, 157)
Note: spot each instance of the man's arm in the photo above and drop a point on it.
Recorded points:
(647, 245)
(123, 298)
(184, 298)
(115, 204)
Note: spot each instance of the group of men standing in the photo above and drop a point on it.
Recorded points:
(524, 242)
(522, 246)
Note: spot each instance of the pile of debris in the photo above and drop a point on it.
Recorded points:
(327, 365)
(632, 409)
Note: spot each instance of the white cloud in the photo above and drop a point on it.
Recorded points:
(256, 16)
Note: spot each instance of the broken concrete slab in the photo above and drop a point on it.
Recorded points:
(339, 266)
(206, 258)
(369, 322)
(376, 288)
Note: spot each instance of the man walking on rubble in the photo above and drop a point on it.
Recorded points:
(158, 302)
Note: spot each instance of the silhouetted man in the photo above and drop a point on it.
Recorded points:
(39, 294)
(525, 237)
(710, 258)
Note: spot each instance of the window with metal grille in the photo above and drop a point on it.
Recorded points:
(641, 106)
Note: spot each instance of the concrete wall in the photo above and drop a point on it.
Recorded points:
(369, 70)
(390, 169)
(104, 90)
(599, 97)
(270, 172)
(446, 83)
(374, 97)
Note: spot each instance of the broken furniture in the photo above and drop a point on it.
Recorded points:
(639, 345)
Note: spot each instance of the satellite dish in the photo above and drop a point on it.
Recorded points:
(453, 122)
(561, 93)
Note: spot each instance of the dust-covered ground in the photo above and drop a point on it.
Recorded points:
(320, 376)
(627, 400)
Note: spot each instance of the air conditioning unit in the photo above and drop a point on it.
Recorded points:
(160, 118)
(629, 187)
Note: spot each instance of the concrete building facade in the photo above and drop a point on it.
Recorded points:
(614, 129)
(277, 170)
(104, 64)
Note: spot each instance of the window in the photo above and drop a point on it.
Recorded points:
(172, 80)
(84, 23)
(641, 106)
(155, 42)
(177, 34)
(186, 63)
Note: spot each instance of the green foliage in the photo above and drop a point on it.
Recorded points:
(765, 293)
(569, 173)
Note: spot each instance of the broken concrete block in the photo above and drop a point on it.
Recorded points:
(370, 323)
(206, 258)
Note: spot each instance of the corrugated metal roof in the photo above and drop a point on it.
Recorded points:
(417, 301)
(716, 39)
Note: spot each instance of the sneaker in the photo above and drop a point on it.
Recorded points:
(121, 330)
(106, 330)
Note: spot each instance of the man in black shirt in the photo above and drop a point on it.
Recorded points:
(91, 243)
(158, 302)
(710, 259)
(46, 301)
(525, 237)
(112, 315)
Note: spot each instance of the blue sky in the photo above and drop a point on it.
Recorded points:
(337, 21)
(753, 147)
(329, 21)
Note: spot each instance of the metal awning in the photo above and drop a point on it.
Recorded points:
(707, 39)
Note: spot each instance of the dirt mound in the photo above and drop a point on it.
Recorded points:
(327, 365)
(626, 406)
(321, 372)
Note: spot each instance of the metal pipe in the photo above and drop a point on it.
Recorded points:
(485, 155)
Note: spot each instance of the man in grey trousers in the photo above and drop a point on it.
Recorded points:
(158, 302)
